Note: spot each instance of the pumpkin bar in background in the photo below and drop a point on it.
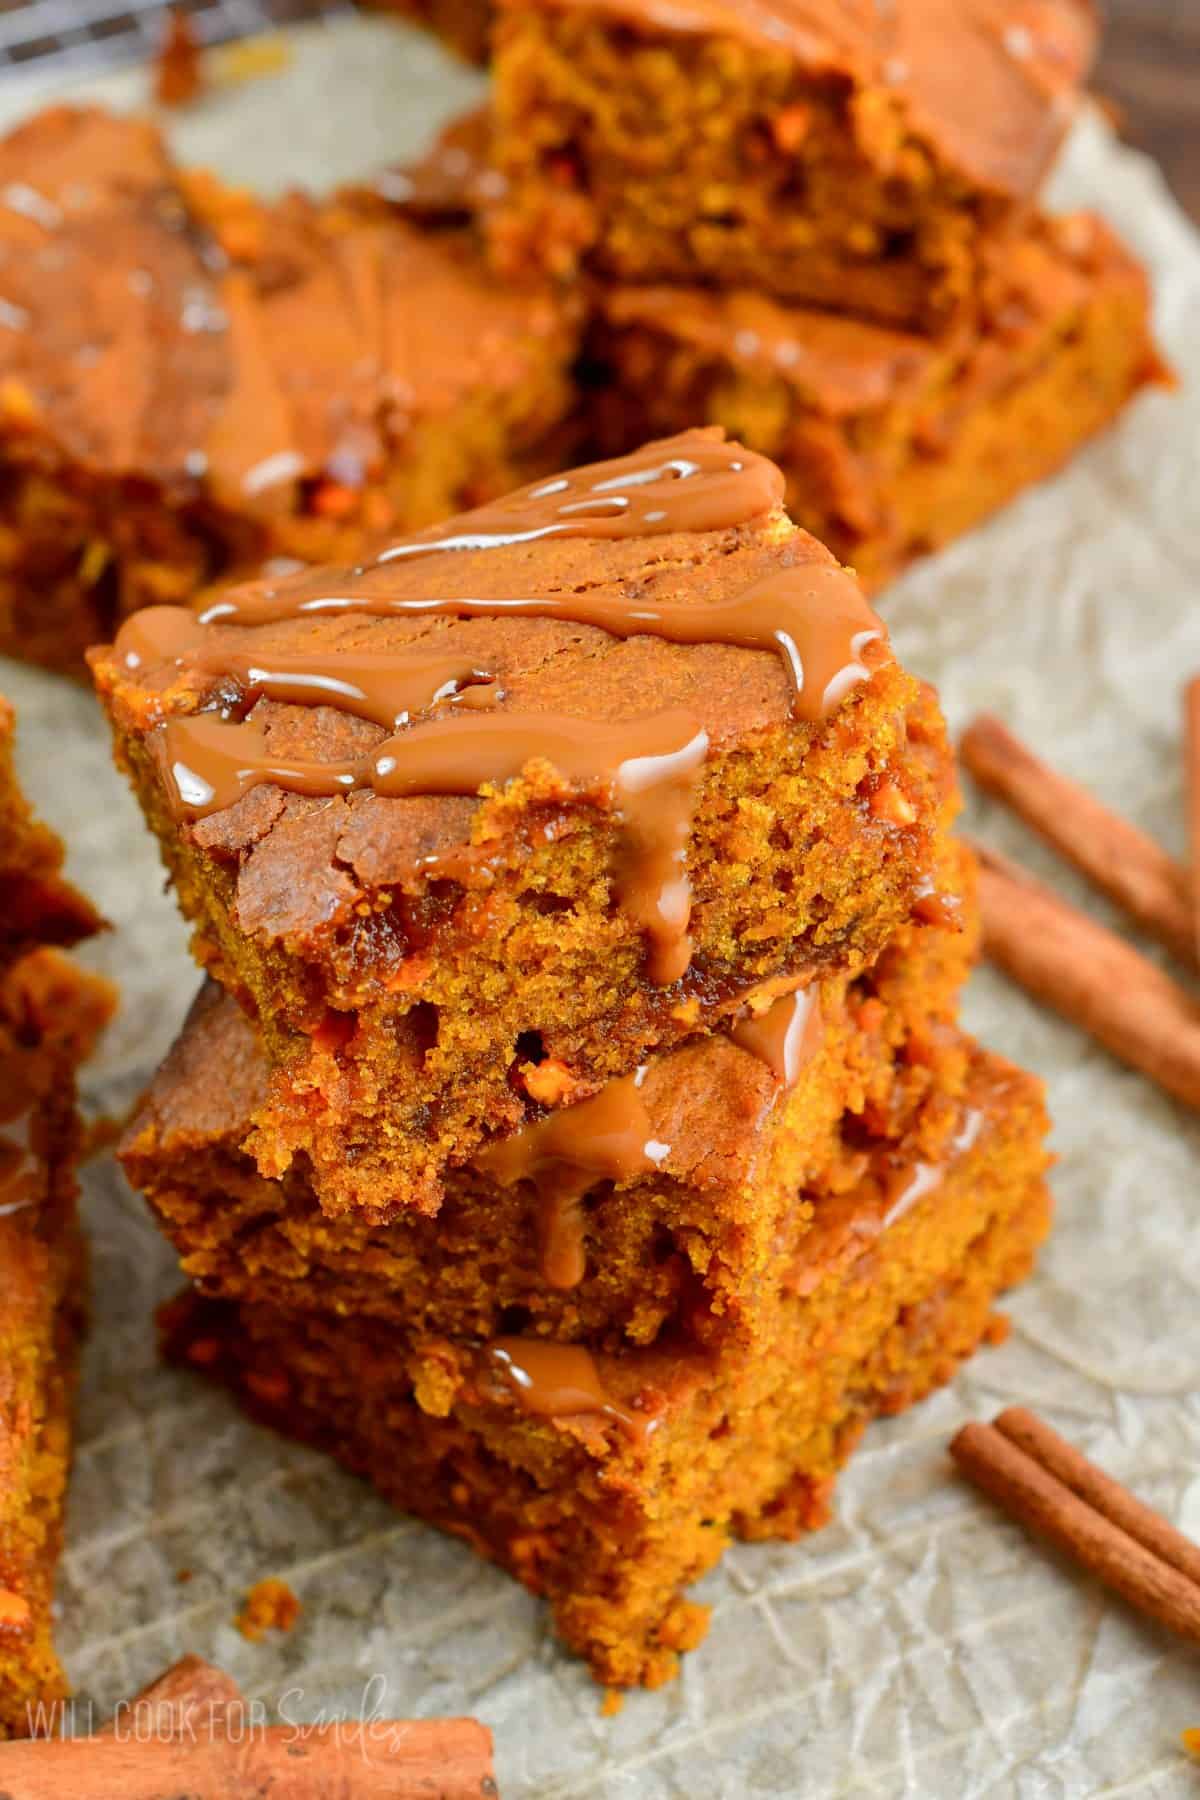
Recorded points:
(193, 381)
(609, 1482)
(892, 444)
(486, 821)
(50, 1014)
(37, 906)
(840, 154)
(655, 1209)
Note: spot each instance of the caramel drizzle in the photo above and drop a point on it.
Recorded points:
(608, 1138)
(787, 1036)
(562, 1381)
(645, 769)
(924, 1177)
(812, 614)
(387, 689)
(611, 1137)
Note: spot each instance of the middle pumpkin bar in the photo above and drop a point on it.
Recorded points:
(660, 1205)
(482, 824)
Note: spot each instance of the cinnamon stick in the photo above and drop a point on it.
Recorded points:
(1191, 711)
(1122, 861)
(1101, 1492)
(1035, 1497)
(1066, 960)
(199, 1739)
(451, 1758)
(189, 1698)
(189, 1683)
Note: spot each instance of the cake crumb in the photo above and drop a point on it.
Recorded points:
(183, 1576)
(14, 1611)
(998, 1329)
(1191, 1742)
(613, 1701)
(178, 69)
(270, 1606)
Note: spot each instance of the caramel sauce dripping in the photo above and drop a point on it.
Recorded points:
(611, 1137)
(844, 1228)
(387, 689)
(562, 1381)
(646, 769)
(811, 613)
(608, 1138)
(915, 1183)
(787, 1036)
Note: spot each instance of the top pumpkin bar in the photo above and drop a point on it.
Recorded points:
(840, 153)
(483, 822)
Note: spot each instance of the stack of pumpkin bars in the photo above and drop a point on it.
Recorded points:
(577, 1137)
(594, 1150)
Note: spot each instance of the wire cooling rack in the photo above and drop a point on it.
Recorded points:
(74, 35)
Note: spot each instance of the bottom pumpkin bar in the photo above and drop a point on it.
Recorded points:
(893, 444)
(610, 1483)
(50, 1013)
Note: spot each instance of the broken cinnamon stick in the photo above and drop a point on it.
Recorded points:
(200, 1739)
(1122, 861)
(1066, 960)
(1014, 1474)
(1191, 711)
(403, 1761)
(191, 1694)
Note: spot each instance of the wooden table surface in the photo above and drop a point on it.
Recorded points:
(1150, 71)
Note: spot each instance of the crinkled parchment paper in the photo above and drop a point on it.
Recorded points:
(919, 1645)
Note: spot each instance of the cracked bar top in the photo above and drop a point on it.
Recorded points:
(497, 640)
